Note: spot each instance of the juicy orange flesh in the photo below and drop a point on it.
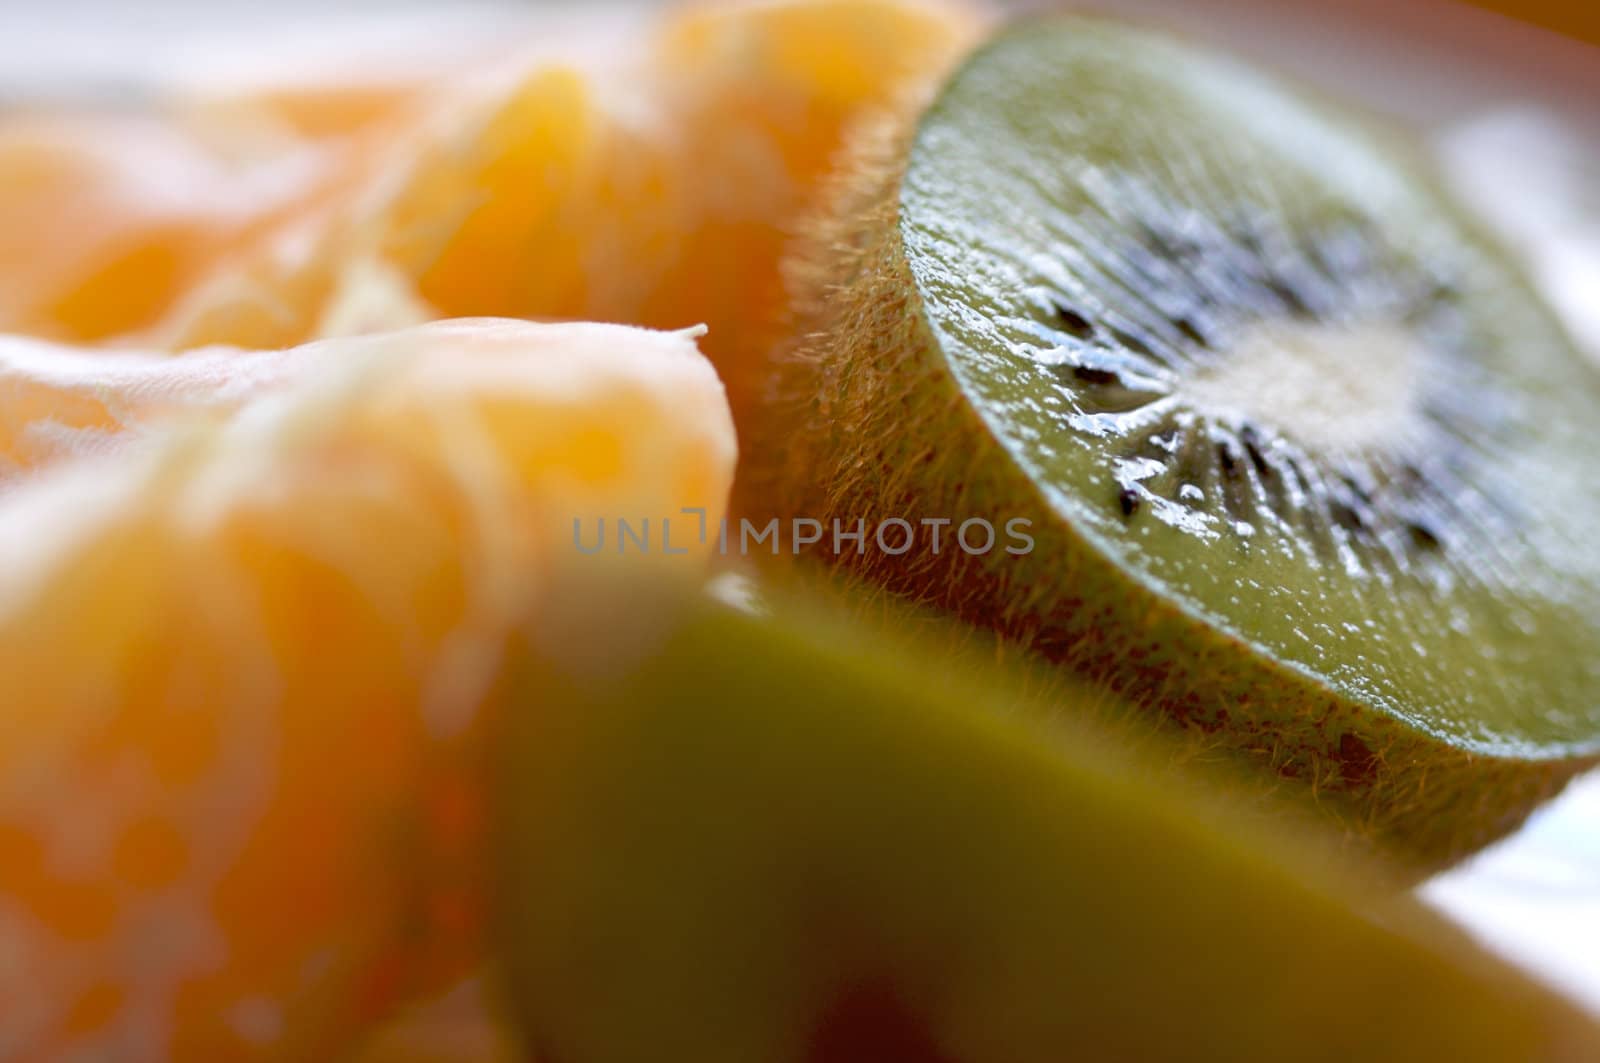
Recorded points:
(240, 798)
(655, 185)
(256, 610)
(106, 221)
(58, 401)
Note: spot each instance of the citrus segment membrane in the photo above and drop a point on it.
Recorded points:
(250, 667)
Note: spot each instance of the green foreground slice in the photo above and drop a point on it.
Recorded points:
(769, 839)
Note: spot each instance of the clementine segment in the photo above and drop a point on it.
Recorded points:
(655, 186)
(106, 220)
(762, 98)
(251, 661)
(59, 401)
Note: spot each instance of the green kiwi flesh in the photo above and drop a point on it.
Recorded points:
(1298, 449)
(787, 838)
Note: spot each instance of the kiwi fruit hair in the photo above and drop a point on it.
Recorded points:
(1299, 452)
(790, 834)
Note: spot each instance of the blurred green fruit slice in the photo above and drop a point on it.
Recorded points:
(731, 838)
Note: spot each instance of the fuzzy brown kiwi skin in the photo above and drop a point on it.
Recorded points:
(863, 419)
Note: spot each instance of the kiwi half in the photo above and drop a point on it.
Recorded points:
(1299, 452)
(789, 839)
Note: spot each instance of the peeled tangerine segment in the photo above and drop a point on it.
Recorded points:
(1302, 453)
(786, 838)
(107, 219)
(59, 401)
(249, 663)
(648, 177)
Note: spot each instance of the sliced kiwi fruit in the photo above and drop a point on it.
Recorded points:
(1298, 450)
(786, 838)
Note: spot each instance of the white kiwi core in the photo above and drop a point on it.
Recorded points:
(1334, 389)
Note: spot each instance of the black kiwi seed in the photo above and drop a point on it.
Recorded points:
(1347, 516)
(1423, 536)
(1091, 375)
(1289, 296)
(1252, 447)
(1191, 331)
(1357, 490)
(1074, 323)
(1228, 458)
(1129, 501)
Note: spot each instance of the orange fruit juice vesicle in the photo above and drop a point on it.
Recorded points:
(654, 183)
(249, 663)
